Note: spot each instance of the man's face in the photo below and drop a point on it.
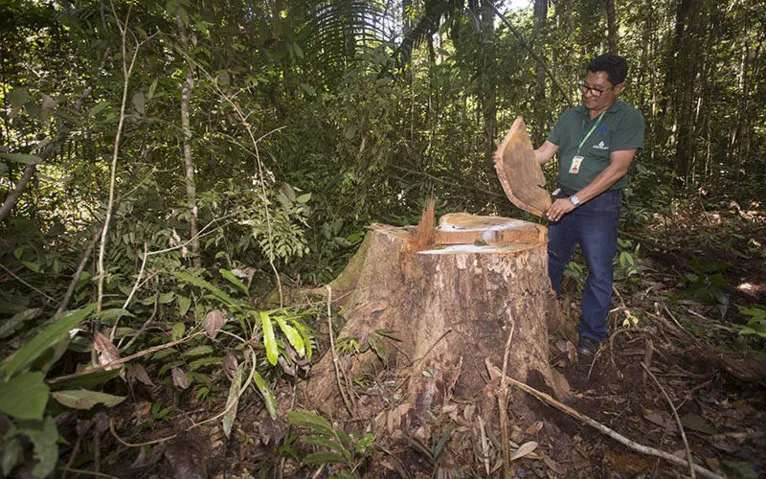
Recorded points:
(599, 81)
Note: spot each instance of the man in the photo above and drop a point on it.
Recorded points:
(595, 142)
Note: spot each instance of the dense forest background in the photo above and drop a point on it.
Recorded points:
(160, 161)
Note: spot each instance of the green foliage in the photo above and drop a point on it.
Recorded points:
(706, 283)
(756, 324)
(333, 446)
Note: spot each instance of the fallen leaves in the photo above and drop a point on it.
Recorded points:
(214, 321)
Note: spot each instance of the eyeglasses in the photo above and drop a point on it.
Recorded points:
(597, 92)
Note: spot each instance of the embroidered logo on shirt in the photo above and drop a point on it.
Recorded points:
(601, 146)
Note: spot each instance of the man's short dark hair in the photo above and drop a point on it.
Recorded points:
(615, 66)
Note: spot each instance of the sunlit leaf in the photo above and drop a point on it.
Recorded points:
(293, 336)
(269, 341)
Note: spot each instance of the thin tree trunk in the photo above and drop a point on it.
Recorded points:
(488, 100)
(13, 196)
(191, 190)
(612, 27)
(538, 43)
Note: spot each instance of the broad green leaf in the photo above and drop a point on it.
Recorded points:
(325, 442)
(10, 326)
(323, 457)
(139, 101)
(22, 158)
(18, 97)
(13, 455)
(43, 340)
(187, 278)
(178, 331)
(84, 399)
(304, 198)
(184, 304)
(293, 336)
(88, 380)
(298, 50)
(167, 298)
(152, 88)
(198, 351)
(272, 349)
(196, 364)
(232, 401)
(113, 313)
(44, 436)
(98, 108)
(234, 280)
(268, 397)
(25, 396)
(308, 419)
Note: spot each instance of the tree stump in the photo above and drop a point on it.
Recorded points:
(451, 304)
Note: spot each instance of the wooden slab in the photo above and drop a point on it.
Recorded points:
(520, 173)
(468, 229)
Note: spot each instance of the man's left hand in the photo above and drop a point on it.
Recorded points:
(559, 208)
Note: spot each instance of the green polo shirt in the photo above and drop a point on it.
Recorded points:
(621, 128)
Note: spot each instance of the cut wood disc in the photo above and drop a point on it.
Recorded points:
(520, 173)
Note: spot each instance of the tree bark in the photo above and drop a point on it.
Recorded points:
(191, 190)
(612, 26)
(451, 307)
(538, 43)
(12, 197)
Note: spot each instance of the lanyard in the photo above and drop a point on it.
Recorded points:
(598, 121)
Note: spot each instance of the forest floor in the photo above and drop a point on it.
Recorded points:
(678, 312)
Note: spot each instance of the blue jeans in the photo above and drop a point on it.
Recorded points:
(592, 225)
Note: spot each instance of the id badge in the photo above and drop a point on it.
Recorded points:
(575, 168)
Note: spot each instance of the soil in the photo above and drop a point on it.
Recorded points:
(724, 418)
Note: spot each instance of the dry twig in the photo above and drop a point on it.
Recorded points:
(640, 448)
(338, 377)
(123, 360)
(678, 419)
(502, 399)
